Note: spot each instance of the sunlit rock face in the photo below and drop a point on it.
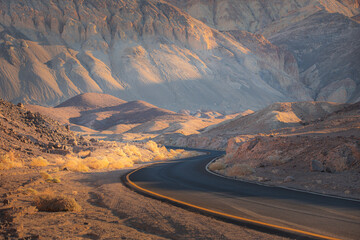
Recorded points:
(321, 34)
(147, 50)
(327, 50)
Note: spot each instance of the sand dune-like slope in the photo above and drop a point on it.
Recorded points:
(73, 107)
(91, 101)
(96, 113)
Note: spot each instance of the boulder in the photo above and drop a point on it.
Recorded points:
(316, 166)
(289, 179)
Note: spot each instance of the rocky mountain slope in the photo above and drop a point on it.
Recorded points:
(284, 117)
(322, 36)
(31, 134)
(145, 49)
(327, 51)
(275, 116)
(321, 155)
(257, 15)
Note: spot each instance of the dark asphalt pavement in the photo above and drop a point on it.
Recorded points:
(188, 181)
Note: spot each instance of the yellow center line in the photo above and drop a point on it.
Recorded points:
(220, 213)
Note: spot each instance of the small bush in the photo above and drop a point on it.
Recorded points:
(52, 203)
(152, 146)
(75, 164)
(31, 191)
(239, 170)
(49, 178)
(9, 160)
(56, 180)
(131, 150)
(216, 166)
(96, 163)
(46, 176)
(39, 162)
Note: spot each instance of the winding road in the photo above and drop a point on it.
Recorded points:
(295, 214)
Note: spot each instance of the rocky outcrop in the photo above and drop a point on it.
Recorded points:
(30, 133)
(326, 49)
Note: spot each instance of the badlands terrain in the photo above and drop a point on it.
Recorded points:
(90, 90)
(216, 55)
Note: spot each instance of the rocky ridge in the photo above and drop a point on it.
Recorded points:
(321, 35)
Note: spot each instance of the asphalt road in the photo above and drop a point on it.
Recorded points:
(187, 181)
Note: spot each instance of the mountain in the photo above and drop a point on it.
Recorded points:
(285, 118)
(327, 54)
(273, 117)
(321, 35)
(146, 49)
(158, 52)
(257, 15)
(98, 113)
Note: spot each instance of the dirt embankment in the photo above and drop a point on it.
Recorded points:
(321, 155)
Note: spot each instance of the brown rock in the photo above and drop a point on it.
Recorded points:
(316, 166)
(289, 179)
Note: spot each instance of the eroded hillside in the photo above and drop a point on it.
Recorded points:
(136, 50)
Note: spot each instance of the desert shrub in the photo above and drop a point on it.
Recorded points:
(96, 163)
(120, 152)
(9, 160)
(75, 164)
(159, 156)
(31, 191)
(56, 180)
(119, 164)
(239, 170)
(131, 150)
(53, 203)
(39, 162)
(152, 146)
(117, 157)
(46, 176)
(49, 178)
(216, 166)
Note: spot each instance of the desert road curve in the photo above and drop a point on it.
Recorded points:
(294, 214)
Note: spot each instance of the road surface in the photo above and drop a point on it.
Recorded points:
(186, 183)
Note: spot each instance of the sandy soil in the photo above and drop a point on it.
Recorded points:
(109, 211)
